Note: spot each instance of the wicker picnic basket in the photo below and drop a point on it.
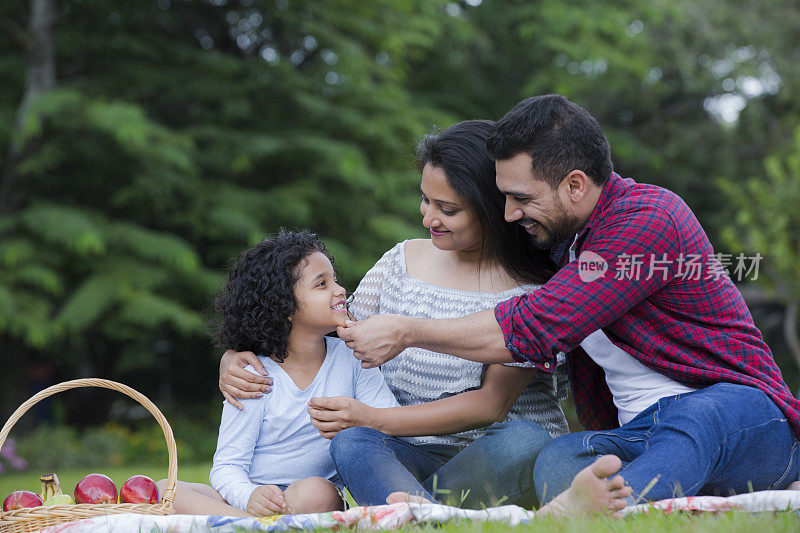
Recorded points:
(37, 518)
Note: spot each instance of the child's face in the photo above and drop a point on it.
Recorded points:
(320, 300)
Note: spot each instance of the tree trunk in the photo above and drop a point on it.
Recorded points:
(40, 77)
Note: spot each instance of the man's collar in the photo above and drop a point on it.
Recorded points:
(609, 191)
(559, 252)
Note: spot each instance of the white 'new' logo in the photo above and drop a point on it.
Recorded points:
(591, 266)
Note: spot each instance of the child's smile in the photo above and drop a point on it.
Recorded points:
(321, 300)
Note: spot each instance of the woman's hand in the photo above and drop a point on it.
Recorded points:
(236, 382)
(332, 415)
(266, 500)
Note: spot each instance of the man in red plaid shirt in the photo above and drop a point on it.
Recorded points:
(668, 371)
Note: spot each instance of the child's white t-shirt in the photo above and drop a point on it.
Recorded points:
(272, 442)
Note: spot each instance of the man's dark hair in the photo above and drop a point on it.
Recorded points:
(559, 135)
(252, 312)
(460, 151)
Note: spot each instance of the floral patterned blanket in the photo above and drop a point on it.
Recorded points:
(399, 514)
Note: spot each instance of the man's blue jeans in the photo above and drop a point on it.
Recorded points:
(724, 439)
(495, 468)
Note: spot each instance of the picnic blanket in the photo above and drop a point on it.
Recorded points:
(399, 514)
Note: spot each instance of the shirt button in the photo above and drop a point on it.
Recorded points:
(547, 365)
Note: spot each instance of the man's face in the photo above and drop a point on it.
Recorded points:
(533, 204)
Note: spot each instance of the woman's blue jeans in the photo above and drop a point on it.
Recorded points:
(724, 439)
(496, 468)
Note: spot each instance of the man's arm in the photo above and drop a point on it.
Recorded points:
(476, 337)
(553, 319)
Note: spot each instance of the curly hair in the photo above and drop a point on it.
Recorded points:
(253, 310)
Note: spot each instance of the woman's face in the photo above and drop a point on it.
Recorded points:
(451, 224)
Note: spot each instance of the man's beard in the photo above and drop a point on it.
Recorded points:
(554, 237)
(563, 228)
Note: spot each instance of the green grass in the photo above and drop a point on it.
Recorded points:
(29, 480)
(652, 523)
(656, 522)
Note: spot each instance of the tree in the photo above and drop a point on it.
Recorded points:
(177, 135)
(173, 134)
(652, 73)
(765, 221)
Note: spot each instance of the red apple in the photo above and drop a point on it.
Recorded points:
(20, 499)
(96, 488)
(139, 489)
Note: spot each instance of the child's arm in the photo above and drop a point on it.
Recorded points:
(499, 390)
(238, 434)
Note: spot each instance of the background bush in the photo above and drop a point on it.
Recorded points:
(142, 145)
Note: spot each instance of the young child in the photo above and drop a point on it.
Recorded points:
(280, 300)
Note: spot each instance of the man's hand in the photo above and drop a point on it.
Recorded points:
(266, 500)
(376, 339)
(332, 415)
(236, 382)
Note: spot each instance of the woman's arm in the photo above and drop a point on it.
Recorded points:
(499, 390)
(236, 382)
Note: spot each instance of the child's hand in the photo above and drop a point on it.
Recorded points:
(266, 500)
(332, 415)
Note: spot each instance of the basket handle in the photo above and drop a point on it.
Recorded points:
(172, 475)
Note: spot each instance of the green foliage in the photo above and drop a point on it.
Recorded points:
(50, 448)
(649, 71)
(182, 132)
(189, 134)
(766, 219)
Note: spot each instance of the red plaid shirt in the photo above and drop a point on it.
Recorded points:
(691, 327)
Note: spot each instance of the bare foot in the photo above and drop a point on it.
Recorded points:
(593, 491)
(795, 485)
(400, 497)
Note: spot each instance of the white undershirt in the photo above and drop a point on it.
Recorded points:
(633, 386)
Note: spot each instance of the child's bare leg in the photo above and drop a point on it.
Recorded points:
(398, 497)
(197, 498)
(794, 485)
(312, 495)
(593, 491)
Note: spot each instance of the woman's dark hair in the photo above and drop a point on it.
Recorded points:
(460, 151)
(559, 135)
(252, 312)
